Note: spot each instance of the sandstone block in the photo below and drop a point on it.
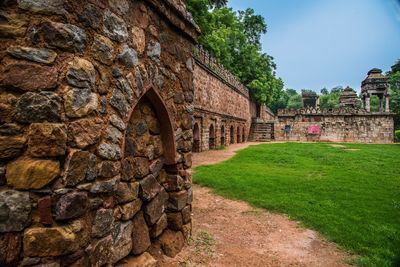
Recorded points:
(10, 247)
(102, 222)
(109, 151)
(109, 169)
(47, 140)
(140, 235)
(11, 146)
(91, 16)
(172, 242)
(43, 6)
(103, 49)
(40, 55)
(55, 241)
(149, 188)
(186, 214)
(173, 182)
(144, 260)
(122, 237)
(80, 102)
(128, 57)
(126, 192)
(38, 107)
(138, 39)
(32, 174)
(76, 167)
(29, 77)
(44, 208)
(156, 207)
(71, 205)
(119, 102)
(159, 226)
(101, 251)
(12, 25)
(64, 36)
(114, 27)
(175, 221)
(129, 210)
(177, 200)
(81, 73)
(15, 208)
(84, 132)
(106, 186)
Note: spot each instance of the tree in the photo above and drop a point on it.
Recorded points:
(324, 91)
(394, 80)
(295, 101)
(234, 39)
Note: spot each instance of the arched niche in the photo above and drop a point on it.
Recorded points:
(165, 123)
(211, 138)
(196, 138)
(222, 135)
(243, 136)
(232, 135)
(238, 134)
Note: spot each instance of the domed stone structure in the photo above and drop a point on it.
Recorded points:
(349, 98)
(375, 84)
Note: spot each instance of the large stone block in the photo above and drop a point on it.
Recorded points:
(29, 76)
(103, 49)
(140, 235)
(156, 207)
(101, 251)
(159, 226)
(138, 39)
(11, 146)
(40, 55)
(47, 140)
(143, 260)
(32, 174)
(81, 73)
(84, 132)
(15, 208)
(149, 187)
(12, 25)
(71, 205)
(175, 221)
(64, 36)
(55, 241)
(114, 27)
(80, 102)
(76, 167)
(108, 168)
(122, 237)
(126, 192)
(102, 222)
(10, 247)
(106, 186)
(177, 200)
(129, 210)
(172, 242)
(39, 107)
(43, 6)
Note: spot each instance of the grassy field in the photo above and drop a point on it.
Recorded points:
(350, 193)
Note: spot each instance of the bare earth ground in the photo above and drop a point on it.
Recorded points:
(232, 233)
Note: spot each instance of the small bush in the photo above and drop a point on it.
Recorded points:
(397, 136)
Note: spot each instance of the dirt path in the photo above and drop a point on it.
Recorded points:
(232, 233)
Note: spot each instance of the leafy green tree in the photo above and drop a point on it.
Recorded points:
(234, 39)
(324, 91)
(394, 80)
(295, 101)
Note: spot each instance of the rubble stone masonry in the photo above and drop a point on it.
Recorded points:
(96, 112)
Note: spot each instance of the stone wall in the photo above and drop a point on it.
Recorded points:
(96, 110)
(335, 125)
(222, 105)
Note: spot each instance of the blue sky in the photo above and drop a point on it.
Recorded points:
(325, 43)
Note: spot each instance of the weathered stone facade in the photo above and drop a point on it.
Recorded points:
(96, 112)
(334, 125)
(223, 109)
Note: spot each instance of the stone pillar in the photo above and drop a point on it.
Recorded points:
(381, 103)
(367, 104)
(387, 108)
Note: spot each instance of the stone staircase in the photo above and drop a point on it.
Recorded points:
(261, 131)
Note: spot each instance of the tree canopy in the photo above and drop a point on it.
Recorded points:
(394, 80)
(234, 38)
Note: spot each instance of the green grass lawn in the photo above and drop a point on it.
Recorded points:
(351, 194)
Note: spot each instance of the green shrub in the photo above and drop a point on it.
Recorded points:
(397, 136)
